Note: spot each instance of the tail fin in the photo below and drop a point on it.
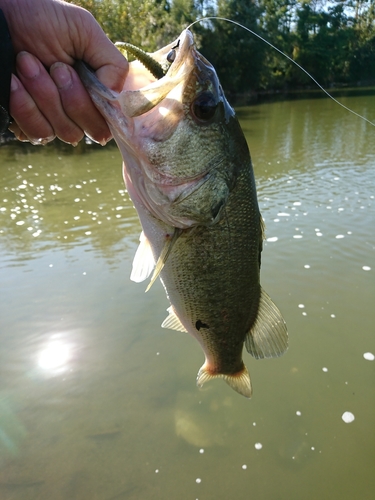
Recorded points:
(240, 381)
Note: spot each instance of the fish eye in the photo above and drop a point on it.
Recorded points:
(204, 106)
(171, 56)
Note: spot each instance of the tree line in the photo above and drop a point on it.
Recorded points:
(333, 40)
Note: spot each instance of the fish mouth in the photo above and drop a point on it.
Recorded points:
(147, 123)
(174, 64)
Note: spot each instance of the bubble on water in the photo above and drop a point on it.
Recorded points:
(319, 234)
(258, 446)
(201, 450)
(20, 223)
(304, 313)
(366, 268)
(298, 413)
(156, 471)
(333, 315)
(297, 236)
(339, 236)
(348, 417)
(274, 220)
(307, 266)
(369, 356)
(87, 233)
(297, 203)
(312, 448)
(198, 480)
(272, 239)
(325, 369)
(283, 214)
(301, 306)
(77, 200)
(254, 424)
(244, 466)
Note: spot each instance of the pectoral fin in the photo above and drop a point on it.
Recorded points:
(143, 262)
(268, 337)
(169, 243)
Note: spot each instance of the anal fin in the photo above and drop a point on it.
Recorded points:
(268, 337)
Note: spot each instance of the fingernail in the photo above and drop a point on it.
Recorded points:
(27, 65)
(13, 84)
(61, 75)
(42, 140)
(103, 142)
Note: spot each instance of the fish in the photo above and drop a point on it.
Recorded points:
(188, 170)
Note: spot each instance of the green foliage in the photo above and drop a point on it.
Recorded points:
(333, 40)
(237, 55)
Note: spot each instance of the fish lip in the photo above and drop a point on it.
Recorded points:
(184, 43)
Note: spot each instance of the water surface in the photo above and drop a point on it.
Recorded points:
(98, 402)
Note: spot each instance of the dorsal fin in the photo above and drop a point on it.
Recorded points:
(268, 337)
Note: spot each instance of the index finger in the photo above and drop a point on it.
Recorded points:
(77, 103)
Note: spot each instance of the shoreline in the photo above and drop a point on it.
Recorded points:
(312, 92)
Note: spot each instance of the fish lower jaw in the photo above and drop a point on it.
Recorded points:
(239, 382)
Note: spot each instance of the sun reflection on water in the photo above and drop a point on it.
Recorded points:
(55, 357)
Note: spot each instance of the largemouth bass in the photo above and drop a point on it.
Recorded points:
(188, 171)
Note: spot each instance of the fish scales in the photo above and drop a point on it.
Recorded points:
(188, 170)
(213, 289)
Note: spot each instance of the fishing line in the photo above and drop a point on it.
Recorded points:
(285, 55)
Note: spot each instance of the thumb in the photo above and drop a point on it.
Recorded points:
(110, 65)
(112, 75)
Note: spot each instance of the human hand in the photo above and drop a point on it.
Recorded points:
(54, 34)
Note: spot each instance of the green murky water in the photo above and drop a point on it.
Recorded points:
(98, 402)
